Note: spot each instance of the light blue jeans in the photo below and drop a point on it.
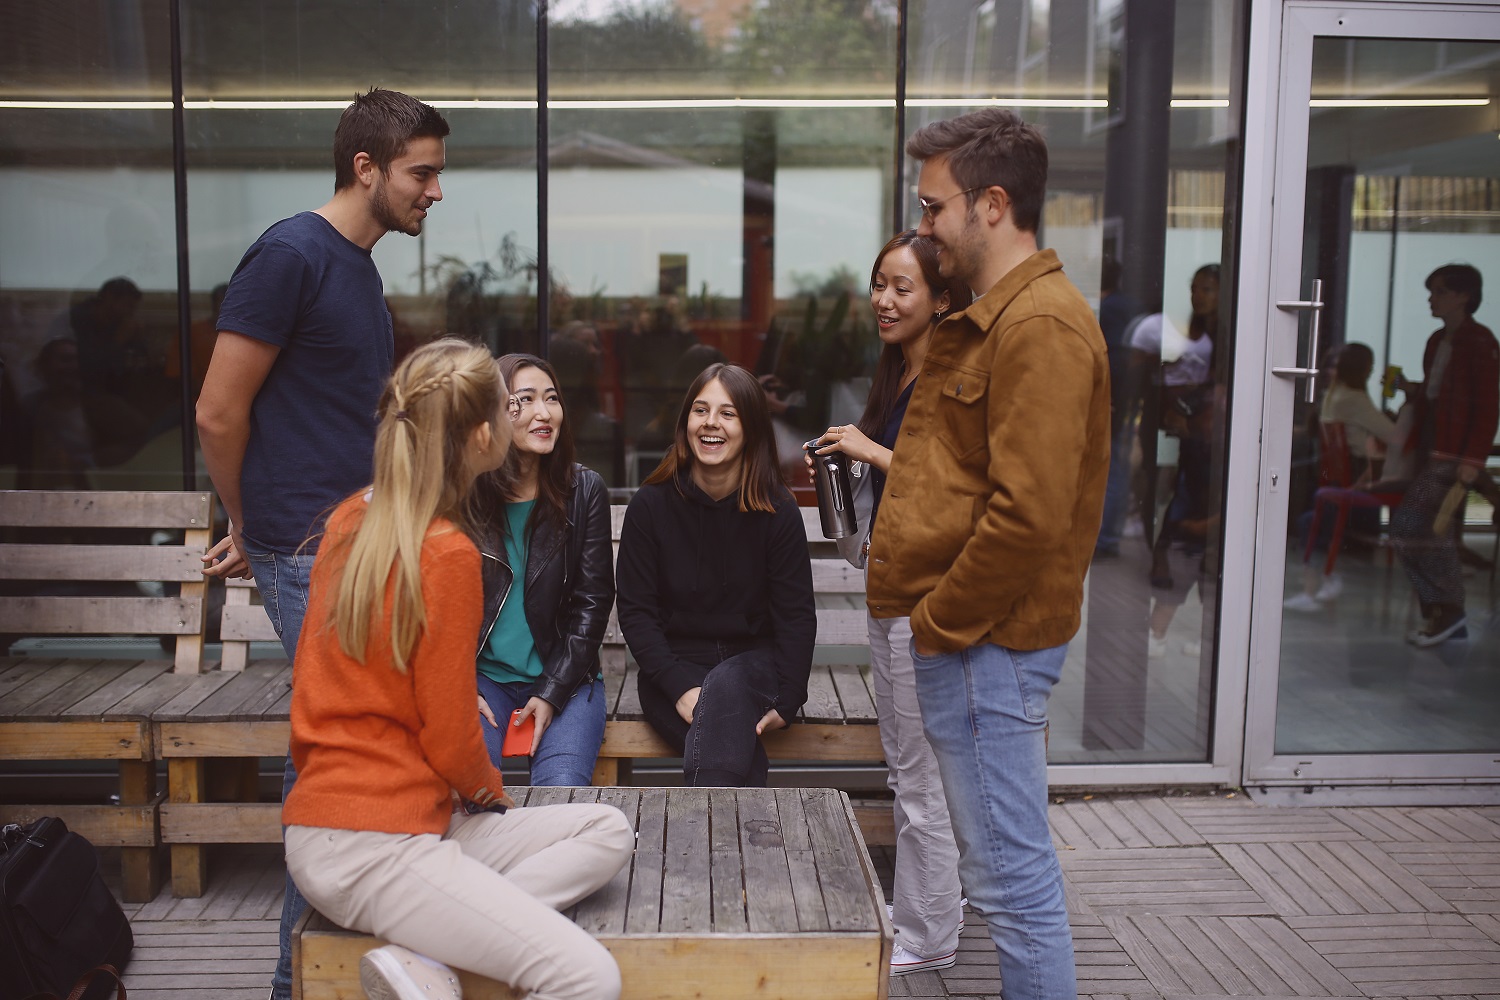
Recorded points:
(283, 582)
(570, 746)
(984, 710)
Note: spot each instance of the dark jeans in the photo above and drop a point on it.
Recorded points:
(720, 748)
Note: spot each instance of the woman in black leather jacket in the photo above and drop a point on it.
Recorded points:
(539, 648)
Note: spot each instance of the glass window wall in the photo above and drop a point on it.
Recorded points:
(718, 175)
(1140, 116)
(88, 264)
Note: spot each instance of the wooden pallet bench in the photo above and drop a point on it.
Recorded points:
(212, 738)
(82, 709)
(243, 720)
(741, 892)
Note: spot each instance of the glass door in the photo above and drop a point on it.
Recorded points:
(1375, 639)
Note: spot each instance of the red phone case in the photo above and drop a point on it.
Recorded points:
(518, 738)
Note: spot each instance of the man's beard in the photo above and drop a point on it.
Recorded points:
(380, 208)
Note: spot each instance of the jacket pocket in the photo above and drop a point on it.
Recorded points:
(962, 414)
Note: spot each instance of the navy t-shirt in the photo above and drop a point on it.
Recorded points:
(318, 297)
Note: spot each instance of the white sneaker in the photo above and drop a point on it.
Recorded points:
(397, 973)
(904, 962)
(1155, 648)
(1331, 588)
(1304, 602)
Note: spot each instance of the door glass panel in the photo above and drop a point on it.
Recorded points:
(1387, 644)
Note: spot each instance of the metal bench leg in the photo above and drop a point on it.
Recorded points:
(140, 867)
(187, 783)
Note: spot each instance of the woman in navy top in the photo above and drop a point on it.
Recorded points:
(910, 298)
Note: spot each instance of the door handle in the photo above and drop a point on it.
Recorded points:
(1315, 306)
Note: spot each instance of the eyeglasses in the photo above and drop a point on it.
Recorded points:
(518, 403)
(930, 208)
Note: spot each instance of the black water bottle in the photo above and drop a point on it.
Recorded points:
(835, 495)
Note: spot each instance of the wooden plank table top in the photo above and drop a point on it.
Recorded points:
(731, 892)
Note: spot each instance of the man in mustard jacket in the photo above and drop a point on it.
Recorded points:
(988, 522)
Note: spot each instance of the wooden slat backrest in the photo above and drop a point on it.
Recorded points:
(244, 622)
(176, 563)
(180, 615)
(103, 509)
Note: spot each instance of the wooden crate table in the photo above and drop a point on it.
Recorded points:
(733, 892)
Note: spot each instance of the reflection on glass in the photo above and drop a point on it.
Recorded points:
(681, 234)
(1138, 120)
(1384, 646)
(88, 311)
(472, 271)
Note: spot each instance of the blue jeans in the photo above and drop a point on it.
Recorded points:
(985, 713)
(570, 746)
(283, 581)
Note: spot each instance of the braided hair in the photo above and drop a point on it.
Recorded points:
(428, 414)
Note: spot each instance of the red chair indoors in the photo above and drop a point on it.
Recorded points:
(1339, 492)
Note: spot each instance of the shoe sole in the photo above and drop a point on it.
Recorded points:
(1457, 632)
(926, 965)
(378, 982)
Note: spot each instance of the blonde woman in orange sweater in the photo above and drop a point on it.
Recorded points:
(385, 737)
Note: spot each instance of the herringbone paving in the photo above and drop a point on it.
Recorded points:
(1201, 895)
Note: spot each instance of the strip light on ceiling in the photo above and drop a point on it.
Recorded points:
(725, 103)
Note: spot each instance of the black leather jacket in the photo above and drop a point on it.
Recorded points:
(570, 588)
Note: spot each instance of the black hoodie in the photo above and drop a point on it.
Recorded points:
(698, 580)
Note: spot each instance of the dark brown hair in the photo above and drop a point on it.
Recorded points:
(555, 473)
(381, 124)
(760, 477)
(1199, 325)
(885, 386)
(1463, 279)
(988, 148)
(1354, 364)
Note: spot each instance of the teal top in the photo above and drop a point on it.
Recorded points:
(510, 656)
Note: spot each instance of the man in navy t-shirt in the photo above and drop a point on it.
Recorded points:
(287, 413)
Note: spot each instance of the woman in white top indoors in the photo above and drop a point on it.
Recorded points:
(1347, 402)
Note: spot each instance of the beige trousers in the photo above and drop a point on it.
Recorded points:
(926, 910)
(484, 896)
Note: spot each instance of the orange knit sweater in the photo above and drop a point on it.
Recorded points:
(376, 749)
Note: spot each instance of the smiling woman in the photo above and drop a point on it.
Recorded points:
(716, 599)
(538, 648)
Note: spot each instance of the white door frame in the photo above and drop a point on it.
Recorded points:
(1275, 174)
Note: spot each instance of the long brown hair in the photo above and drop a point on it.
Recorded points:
(885, 386)
(760, 480)
(554, 478)
(430, 407)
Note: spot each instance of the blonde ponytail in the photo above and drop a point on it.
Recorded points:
(429, 409)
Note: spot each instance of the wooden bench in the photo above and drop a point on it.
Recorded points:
(90, 709)
(245, 720)
(731, 893)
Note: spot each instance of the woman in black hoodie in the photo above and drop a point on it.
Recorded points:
(715, 585)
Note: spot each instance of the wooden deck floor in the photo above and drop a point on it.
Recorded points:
(1178, 896)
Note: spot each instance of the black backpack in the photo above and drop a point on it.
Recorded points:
(58, 919)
